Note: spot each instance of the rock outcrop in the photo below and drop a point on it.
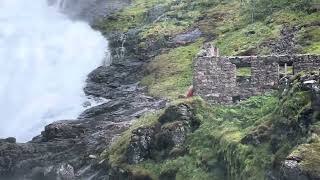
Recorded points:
(166, 138)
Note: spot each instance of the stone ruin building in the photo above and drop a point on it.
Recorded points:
(215, 78)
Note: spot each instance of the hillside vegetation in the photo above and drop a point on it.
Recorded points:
(236, 27)
(249, 140)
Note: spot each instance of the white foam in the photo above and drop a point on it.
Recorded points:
(44, 60)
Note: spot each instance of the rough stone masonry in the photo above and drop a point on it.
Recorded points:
(215, 78)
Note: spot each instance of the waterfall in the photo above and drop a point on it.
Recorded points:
(44, 61)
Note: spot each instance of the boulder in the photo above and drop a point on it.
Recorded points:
(62, 130)
(187, 37)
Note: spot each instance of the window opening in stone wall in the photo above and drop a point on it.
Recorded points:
(244, 71)
(285, 69)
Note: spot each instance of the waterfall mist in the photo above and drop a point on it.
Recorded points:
(44, 60)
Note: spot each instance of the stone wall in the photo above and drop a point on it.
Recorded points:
(215, 78)
(306, 63)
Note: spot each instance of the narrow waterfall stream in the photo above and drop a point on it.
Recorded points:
(44, 61)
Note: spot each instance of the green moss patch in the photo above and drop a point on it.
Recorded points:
(170, 73)
(310, 158)
(245, 39)
(309, 39)
(244, 71)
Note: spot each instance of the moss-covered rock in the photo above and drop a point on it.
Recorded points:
(303, 162)
(162, 138)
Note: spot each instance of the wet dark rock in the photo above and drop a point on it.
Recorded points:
(62, 130)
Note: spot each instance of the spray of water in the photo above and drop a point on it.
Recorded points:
(44, 60)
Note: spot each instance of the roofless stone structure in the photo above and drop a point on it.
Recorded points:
(215, 78)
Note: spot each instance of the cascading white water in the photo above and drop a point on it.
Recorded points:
(44, 60)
